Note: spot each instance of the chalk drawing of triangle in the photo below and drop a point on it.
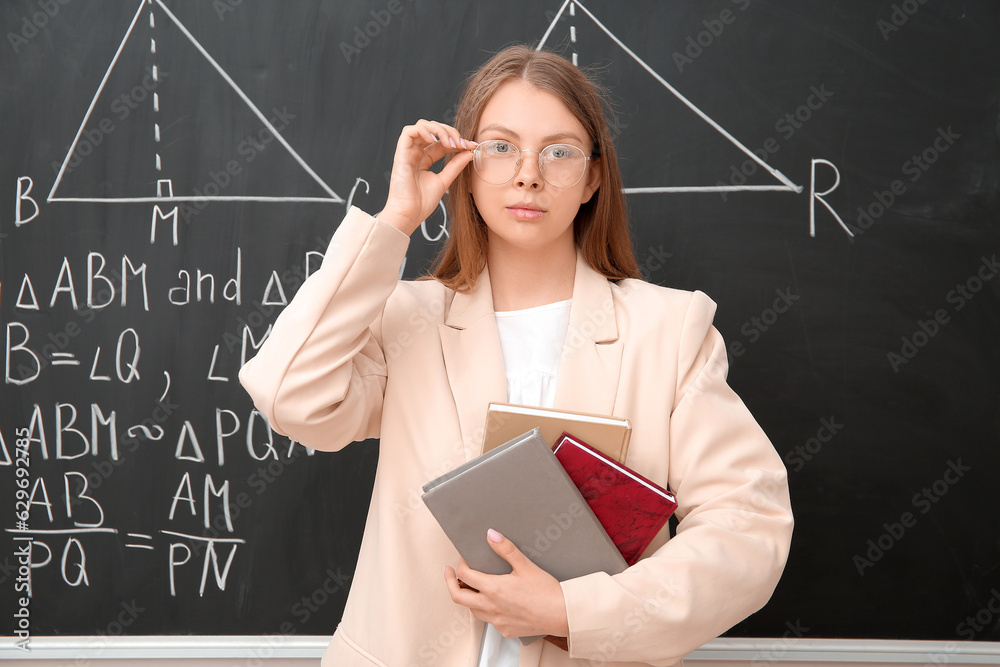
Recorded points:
(784, 183)
(196, 116)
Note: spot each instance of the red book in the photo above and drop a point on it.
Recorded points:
(630, 507)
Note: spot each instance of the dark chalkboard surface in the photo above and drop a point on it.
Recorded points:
(171, 171)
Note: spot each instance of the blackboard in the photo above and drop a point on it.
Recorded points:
(827, 172)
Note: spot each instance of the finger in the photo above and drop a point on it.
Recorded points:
(436, 151)
(507, 550)
(463, 595)
(479, 581)
(448, 135)
(423, 136)
(432, 133)
(455, 164)
(466, 574)
(462, 571)
(454, 167)
(416, 136)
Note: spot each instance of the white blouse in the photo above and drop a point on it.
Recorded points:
(531, 341)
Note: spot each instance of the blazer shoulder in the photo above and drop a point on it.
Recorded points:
(664, 301)
(422, 290)
(428, 298)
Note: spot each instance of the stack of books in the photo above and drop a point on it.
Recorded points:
(555, 484)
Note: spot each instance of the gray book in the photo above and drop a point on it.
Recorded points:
(521, 490)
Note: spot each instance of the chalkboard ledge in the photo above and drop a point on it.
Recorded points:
(262, 647)
(724, 650)
(793, 649)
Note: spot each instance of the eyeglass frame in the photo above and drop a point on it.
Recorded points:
(520, 162)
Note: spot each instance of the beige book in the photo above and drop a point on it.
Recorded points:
(609, 435)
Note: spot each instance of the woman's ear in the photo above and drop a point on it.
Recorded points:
(594, 173)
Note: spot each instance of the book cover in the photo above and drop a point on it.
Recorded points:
(631, 508)
(521, 490)
(607, 433)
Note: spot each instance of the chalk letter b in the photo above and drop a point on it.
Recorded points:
(22, 195)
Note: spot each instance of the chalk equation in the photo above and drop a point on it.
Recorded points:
(66, 548)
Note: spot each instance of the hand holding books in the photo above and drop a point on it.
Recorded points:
(520, 490)
(527, 602)
(571, 513)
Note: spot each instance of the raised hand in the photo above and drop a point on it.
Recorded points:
(415, 190)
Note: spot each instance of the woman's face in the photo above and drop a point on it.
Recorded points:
(527, 213)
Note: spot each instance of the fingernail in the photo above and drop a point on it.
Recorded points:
(464, 145)
(452, 142)
(494, 536)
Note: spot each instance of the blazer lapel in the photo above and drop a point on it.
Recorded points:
(589, 369)
(473, 360)
(591, 359)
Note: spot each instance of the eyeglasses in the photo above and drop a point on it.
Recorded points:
(561, 165)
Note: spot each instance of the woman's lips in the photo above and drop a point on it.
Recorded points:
(525, 213)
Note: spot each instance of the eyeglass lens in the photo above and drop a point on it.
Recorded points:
(561, 165)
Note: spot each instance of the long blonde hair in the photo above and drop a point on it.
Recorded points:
(601, 227)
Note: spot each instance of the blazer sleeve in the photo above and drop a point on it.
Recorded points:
(734, 531)
(319, 378)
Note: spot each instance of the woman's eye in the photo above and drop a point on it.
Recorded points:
(560, 153)
(501, 147)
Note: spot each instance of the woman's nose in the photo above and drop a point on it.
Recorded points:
(528, 175)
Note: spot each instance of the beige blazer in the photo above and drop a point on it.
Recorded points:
(359, 354)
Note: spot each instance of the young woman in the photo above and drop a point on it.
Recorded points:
(535, 300)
